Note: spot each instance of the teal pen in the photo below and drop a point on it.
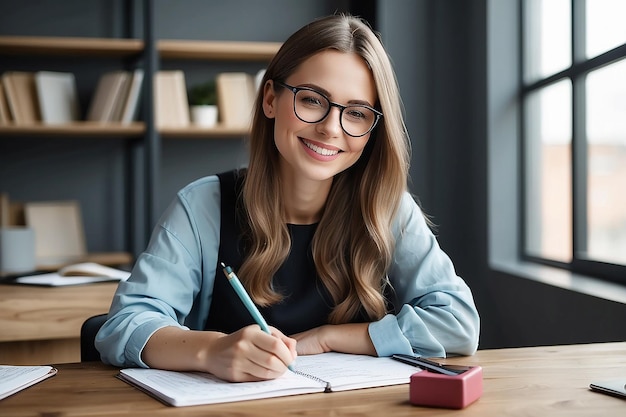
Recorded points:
(247, 301)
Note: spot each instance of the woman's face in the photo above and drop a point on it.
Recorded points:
(320, 150)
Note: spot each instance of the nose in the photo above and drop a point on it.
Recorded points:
(331, 124)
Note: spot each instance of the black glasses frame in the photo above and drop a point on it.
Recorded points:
(331, 104)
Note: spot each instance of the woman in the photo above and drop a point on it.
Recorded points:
(320, 229)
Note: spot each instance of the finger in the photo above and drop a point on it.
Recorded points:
(246, 361)
(264, 365)
(291, 345)
(281, 348)
(258, 372)
(290, 342)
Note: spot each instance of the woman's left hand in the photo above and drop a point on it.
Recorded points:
(311, 341)
(346, 338)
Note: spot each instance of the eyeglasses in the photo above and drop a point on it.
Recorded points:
(311, 106)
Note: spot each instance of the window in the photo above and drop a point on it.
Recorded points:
(574, 135)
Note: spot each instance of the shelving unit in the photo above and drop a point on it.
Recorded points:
(125, 48)
(144, 133)
(83, 47)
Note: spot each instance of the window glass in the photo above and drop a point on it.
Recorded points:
(548, 37)
(606, 25)
(606, 164)
(548, 178)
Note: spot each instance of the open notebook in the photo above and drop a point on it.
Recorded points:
(14, 378)
(325, 372)
(76, 274)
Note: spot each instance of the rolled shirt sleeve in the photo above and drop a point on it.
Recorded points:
(435, 314)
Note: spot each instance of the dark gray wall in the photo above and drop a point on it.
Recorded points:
(439, 50)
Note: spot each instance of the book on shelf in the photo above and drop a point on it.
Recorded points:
(131, 97)
(59, 231)
(75, 274)
(21, 93)
(236, 93)
(171, 108)
(5, 205)
(107, 96)
(58, 97)
(326, 372)
(15, 378)
(5, 114)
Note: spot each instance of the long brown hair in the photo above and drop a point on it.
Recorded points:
(353, 244)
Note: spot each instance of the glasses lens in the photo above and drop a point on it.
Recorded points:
(357, 120)
(312, 107)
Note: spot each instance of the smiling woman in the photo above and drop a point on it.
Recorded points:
(320, 227)
(311, 136)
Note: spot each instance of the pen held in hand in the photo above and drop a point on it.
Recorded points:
(246, 300)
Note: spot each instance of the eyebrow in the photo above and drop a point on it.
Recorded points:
(329, 95)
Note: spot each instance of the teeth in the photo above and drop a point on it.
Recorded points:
(320, 150)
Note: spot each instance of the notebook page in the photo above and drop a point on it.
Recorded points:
(195, 388)
(347, 371)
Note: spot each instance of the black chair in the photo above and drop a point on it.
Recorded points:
(88, 332)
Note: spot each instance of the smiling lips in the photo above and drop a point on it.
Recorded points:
(318, 150)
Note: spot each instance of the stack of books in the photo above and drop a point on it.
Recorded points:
(51, 98)
(116, 97)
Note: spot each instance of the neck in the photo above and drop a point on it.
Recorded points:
(304, 200)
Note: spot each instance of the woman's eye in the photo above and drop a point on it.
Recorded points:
(312, 101)
(355, 113)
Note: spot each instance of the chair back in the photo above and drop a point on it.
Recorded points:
(88, 331)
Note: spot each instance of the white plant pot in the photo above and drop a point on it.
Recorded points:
(204, 115)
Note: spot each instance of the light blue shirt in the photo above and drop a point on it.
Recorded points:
(172, 282)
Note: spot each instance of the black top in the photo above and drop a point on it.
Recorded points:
(306, 302)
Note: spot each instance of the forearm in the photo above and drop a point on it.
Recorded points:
(178, 349)
(350, 338)
(347, 338)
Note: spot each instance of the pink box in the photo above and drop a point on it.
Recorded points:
(438, 390)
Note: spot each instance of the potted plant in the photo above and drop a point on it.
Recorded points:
(203, 103)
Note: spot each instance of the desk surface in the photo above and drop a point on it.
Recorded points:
(538, 381)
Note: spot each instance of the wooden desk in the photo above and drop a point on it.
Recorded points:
(539, 381)
(40, 325)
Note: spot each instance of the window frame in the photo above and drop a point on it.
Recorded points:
(576, 73)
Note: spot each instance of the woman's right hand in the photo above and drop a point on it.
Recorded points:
(248, 354)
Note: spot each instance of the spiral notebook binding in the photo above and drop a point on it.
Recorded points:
(315, 378)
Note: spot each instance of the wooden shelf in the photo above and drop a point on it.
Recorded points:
(93, 129)
(203, 132)
(27, 45)
(114, 259)
(217, 50)
(168, 49)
